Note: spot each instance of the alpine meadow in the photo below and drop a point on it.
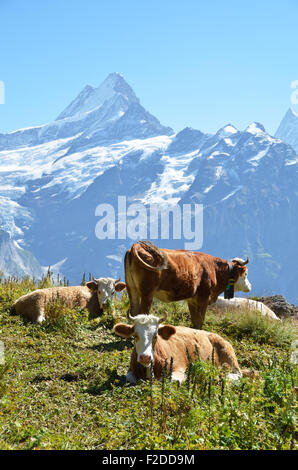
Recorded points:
(148, 230)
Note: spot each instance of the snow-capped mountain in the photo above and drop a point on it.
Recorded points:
(106, 145)
(247, 183)
(113, 88)
(288, 129)
(15, 261)
(110, 112)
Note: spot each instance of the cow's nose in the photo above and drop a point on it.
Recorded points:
(145, 359)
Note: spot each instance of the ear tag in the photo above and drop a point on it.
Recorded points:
(229, 291)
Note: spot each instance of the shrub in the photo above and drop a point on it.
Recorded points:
(60, 317)
(255, 326)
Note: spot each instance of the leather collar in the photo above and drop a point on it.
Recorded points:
(231, 269)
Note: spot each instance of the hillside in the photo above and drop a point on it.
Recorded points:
(63, 385)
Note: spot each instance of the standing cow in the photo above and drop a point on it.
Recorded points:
(155, 344)
(172, 275)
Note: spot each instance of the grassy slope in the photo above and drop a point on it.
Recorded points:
(63, 385)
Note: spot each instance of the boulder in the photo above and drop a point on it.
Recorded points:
(280, 306)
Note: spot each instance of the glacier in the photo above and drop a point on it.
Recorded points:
(105, 144)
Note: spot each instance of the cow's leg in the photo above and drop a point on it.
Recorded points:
(197, 313)
(147, 288)
(178, 376)
(225, 355)
(134, 300)
(146, 302)
(35, 314)
(132, 290)
(41, 317)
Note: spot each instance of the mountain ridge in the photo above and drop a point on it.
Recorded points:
(288, 129)
(114, 102)
(245, 179)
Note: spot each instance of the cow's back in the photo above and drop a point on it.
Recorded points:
(187, 274)
(184, 343)
(71, 296)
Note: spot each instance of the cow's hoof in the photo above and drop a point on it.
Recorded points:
(178, 377)
(235, 377)
(131, 378)
(41, 318)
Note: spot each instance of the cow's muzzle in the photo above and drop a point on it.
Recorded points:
(145, 360)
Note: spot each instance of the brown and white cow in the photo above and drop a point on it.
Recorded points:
(94, 297)
(172, 275)
(155, 343)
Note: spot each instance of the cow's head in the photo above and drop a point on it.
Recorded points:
(240, 274)
(145, 329)
(105, 287)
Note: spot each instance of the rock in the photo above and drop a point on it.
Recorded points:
(280, 306)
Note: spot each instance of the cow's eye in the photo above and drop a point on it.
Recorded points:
(137, 338)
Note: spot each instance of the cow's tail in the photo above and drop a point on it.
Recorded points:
(154, 251)
(127, 264)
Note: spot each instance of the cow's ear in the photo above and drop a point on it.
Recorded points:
(120, 286)
(92, 285)
(166, 331)
(124, 330)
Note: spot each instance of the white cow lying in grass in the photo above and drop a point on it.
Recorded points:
(94, 297)
(246, 304)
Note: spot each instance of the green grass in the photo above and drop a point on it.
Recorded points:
(63, 384)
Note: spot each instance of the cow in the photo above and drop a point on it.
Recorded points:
(94, 297)
(173, 275)
(156, 344)
(240, 303)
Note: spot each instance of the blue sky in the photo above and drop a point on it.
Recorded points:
(191, 63)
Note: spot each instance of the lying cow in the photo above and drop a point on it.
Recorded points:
(156, 343)
(94, 297)
(171, 275)
(246, 304)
